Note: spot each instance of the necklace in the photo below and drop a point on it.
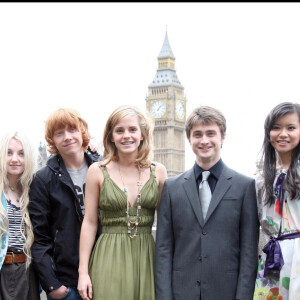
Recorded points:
(132, 225)
(15, 191)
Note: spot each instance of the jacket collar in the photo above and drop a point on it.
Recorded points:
(190, 188)
(56, 163)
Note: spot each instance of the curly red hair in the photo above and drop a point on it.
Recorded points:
(60, 119)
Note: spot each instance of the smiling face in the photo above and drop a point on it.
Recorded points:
(206, 142)
(285, 134)
(68, 141)
(15, 158)
(127, 135)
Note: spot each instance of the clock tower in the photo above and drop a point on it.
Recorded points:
(166, 103)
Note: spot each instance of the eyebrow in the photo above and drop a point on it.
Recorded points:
(209, 130)
(9, 149)
(132, 126)
(287, 124)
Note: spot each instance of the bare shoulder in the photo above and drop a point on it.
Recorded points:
(95, 171)
(160, 171)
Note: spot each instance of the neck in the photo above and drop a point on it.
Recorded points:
(13, 182)
(284, 160)
(206, 164)
(74, 161)
(126, 161)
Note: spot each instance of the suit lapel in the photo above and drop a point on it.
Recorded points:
(190, 187)
(222, 186)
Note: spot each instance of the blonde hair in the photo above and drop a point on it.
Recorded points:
(25, 181)
(110, 150)
(60, 119)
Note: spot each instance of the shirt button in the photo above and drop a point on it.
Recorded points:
(200, 258)
(204, 232)
(51, 288)
(198, 282)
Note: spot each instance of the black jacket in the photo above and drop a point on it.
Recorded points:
(56, 219)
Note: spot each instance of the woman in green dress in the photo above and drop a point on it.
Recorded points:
(126, 188)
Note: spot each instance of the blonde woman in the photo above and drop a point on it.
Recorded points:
(17, 166)
(126, 187)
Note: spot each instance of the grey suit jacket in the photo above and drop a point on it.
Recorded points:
(217, 257)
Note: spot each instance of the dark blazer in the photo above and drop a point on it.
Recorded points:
(56, 220)
(215, 258)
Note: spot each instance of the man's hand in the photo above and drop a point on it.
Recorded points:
(92, 147)
(59, 293)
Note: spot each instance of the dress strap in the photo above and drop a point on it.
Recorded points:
(104, 170)
(152, 168)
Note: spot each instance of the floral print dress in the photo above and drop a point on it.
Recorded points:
(283, 285)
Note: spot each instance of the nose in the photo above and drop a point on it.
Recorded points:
(204, 139)
(14, 157)
(283, 132)
(126, 134)
(67, 135)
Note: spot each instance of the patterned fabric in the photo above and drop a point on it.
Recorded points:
(16, 227)
(4, 241)
(283, 285)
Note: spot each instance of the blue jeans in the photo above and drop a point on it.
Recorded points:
(71, 295)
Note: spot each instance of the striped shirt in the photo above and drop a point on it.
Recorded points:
(15, 237)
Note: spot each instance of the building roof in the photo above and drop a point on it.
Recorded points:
(166, 50)
(165, 78)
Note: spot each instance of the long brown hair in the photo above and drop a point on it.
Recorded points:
(110, 150)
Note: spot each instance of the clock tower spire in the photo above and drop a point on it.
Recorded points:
(166, 103)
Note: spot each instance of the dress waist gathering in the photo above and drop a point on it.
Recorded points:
(124, 229)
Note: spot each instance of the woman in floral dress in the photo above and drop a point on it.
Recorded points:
(278, 194)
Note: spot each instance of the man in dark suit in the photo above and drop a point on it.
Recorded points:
(207, 234)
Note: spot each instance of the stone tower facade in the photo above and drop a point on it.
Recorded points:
(42, 156)
(166, 103)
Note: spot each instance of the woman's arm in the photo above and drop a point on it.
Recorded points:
(89, 227)
(161, 175)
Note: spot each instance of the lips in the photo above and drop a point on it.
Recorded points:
(127, 143)
(283, 142)
(205, 149)
(69, 144)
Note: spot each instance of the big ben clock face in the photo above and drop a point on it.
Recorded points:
(179, 110)
(158, 109)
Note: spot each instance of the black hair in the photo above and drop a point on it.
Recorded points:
(270, 156)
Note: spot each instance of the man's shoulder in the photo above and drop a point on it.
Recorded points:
(180, 178)
(49, 169)
(237, 175)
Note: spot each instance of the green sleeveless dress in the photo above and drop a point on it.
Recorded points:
(122, 268)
